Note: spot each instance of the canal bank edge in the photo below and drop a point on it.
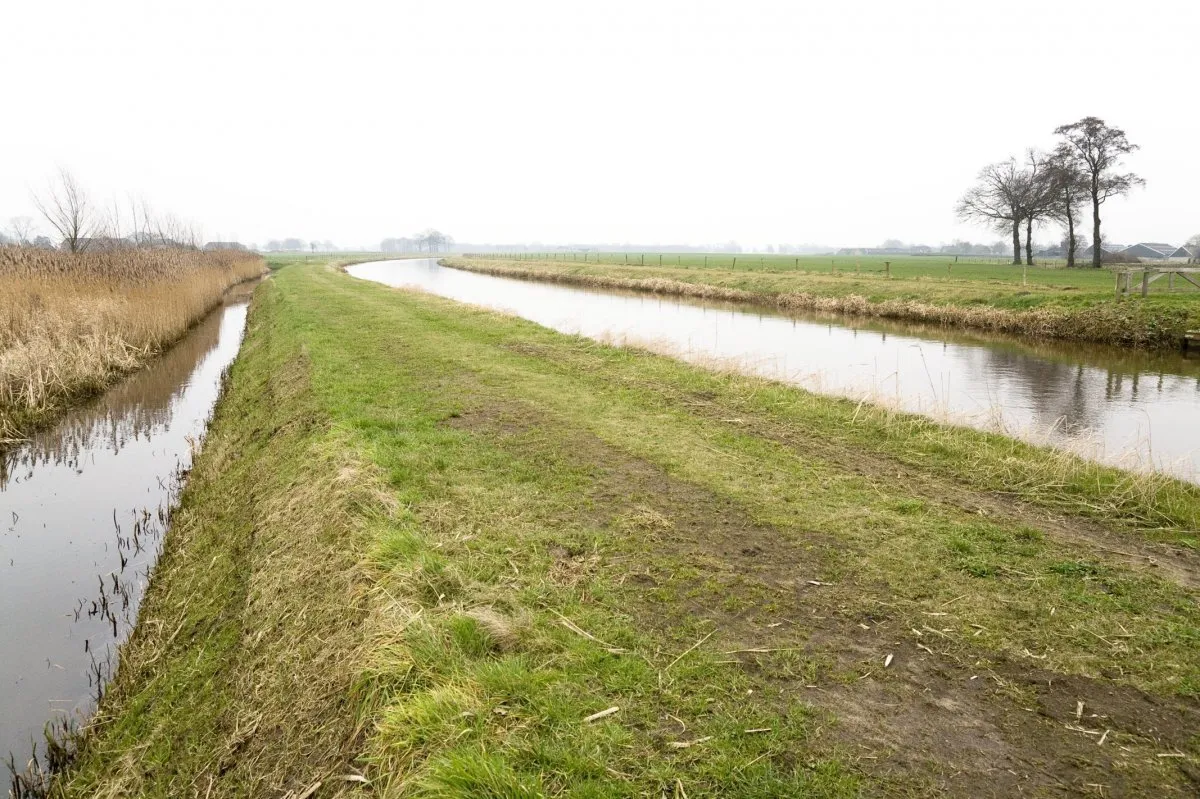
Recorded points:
(1124, 324)
(450, 552)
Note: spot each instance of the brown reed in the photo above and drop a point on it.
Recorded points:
(72, 323)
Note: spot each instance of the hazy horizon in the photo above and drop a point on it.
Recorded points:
(663, 123)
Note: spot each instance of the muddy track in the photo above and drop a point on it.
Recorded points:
(942, 716)
(1159, 559)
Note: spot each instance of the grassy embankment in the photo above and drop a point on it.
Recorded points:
(1069, 304)
(425, 545)
(72, 323)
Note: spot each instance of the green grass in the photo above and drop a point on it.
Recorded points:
(424, 543)
(1076, 304)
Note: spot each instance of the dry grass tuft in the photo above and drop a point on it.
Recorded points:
(500, 630)
(70, 323)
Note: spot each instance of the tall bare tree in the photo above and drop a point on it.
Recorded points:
(1099, 149)
(1069, 187)
(1039, 194)
(998, 200)
(66, 206)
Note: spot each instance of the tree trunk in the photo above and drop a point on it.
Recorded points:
(1016, 242)
(1070, 236)
(1029, 241)
(1095, 224)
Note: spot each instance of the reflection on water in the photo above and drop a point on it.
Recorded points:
(82, 510)
(1137, 410)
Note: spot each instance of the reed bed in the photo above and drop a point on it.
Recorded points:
(72, 323)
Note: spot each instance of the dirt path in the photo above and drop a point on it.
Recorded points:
(924, 711)
(1161, 559)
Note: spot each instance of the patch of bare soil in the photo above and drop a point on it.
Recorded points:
(1161, 559)
(916, 718)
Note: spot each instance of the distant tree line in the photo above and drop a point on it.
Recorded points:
(300, 245)
(1083, 169)
(429, 240)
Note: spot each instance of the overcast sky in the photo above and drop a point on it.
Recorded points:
(608, 121)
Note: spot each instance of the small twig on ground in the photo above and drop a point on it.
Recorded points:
(752, 762)
(575, 628)
(686, 744)
(688, 650)
(760, 651)
(602, 714)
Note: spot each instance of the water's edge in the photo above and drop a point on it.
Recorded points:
(1054, 325)
(90, 497)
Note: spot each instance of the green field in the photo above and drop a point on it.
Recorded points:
(1046, 273)
(425, 545)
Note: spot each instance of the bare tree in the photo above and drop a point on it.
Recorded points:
(998, 200)
(1099, 149)
(68, 210)
(1039, 190)
(22, 230)
(1069, 187)
(1193, 248)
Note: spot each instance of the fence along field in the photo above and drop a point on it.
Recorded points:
(73, 322)
(1046, 272)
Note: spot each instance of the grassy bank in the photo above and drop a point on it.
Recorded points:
(1074, 305)
(430, 550)
(72, 323)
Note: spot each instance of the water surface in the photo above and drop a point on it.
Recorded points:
(1133, 409)
(82, 510)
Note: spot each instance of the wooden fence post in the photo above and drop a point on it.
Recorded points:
(887, 267)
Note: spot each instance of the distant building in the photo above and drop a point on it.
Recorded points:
(1151, 251)
(1109, 254)
(224, 245)
(1181, 255)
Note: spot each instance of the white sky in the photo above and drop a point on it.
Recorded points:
(842, 123)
